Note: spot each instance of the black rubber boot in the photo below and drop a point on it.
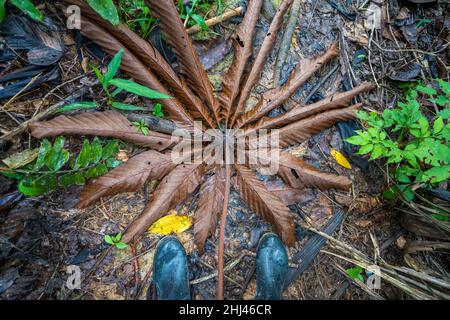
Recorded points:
(271, 268)
(170, 270)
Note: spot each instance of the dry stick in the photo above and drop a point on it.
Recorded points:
(320, 84)
(154, 123)
(286, 41)
(229, 267)
(3, 108)
(223, 222)
(359, 283)
(23, 126)
(216, 20)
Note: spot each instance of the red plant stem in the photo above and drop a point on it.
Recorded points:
(223, 223)
(136, 265)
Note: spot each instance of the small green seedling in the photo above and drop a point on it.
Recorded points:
(116, 241)
(355, 273)
(195, 12)
(137, 16)
(141, 126)
(157, 110)
(107, 81)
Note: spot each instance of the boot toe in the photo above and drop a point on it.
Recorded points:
(170, 270)
(271, 267)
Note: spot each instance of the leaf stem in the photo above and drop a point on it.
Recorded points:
(223, 223)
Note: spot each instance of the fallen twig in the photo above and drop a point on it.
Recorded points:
(229, 267)
(216, 20)
(286, 41)
(23, 126)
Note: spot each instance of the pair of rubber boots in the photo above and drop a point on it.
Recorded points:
(171, 273)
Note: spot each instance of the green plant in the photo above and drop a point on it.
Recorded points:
(157, 110)
(107, 80)
(195, 13)
(26, 6)
(41, 171)
(137, 16)
(106, 9)
(355, 273)
(141, 126)
(116, 241)
(416, 150)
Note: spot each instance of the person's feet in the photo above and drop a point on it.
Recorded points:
(170, 270)
(171, 273)
(271, 268)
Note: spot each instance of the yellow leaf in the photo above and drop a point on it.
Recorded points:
(172, 223)
(340, 159)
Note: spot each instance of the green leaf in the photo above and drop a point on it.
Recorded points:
(377, 152)
(445, 114)
(12, 175)
(101, 169)
(28, 7)
(437, 174)
(145, 131)
(58, 145)
(106, 9)
(355, 273)
(357, 140)
(91, 173)
(445, 86)
(121, 245)
(2, 10)
(67, 180)
(118, 237)
(84, 158)
(438, 125)
(113, 163)
(199, 20)
(157, 110)
(390, 194)
(137, 89)
(79, 179)
(427, 90)
(109, 240)
(96, 151)
(440, 217)
(78, 106)
(365, 149)
(31, 191)
(127, 107)
(100, 77)
(113, 67)
(110, 149)
(440, 100)
(374, 132)
(408, 193)
(58, 156)
(44, 150)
